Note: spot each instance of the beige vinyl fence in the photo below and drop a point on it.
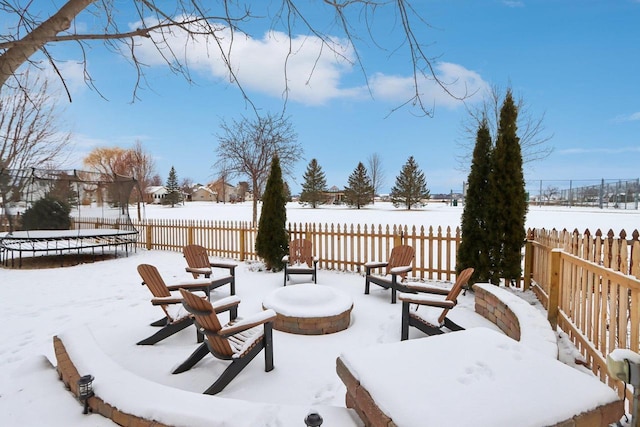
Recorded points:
(590, 285)
(343, 247)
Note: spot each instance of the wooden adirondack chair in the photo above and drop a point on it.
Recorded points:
(433, 305)
(199, 264)
(238, 342)
(169, 299)
(396, 270)
(300, 260)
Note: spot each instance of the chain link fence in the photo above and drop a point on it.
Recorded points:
(601, 193)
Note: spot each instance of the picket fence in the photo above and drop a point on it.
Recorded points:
(343, 247)
(590, 286)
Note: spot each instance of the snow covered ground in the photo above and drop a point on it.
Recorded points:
(106, 297)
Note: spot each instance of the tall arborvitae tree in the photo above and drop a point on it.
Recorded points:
(272, 241)
(314, 185)
(411, 186)
(173, 188)
(474, 247)
(360, 190)
(509, 204)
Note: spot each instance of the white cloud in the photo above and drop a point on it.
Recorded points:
(315, 74)
(627, 117)
(459, 81)
(513, 3)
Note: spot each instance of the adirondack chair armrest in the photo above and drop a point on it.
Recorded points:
(198, 270)
(425, 300)
(225, 303)
(166, 300)
(419, 287)
(228, 265)
(374, 264)
(199, 284)
(248, 323)
(401, 269)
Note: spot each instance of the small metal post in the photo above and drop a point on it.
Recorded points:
(313, 420)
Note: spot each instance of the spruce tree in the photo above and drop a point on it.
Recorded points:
(272, 241)
(360, 190)
(410, 189)
(314, 185)
(474, 247)
(173, 188)
(507, 191)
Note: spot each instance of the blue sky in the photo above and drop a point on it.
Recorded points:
(576, 63)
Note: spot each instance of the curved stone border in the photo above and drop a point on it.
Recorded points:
(127, 399)
(69, 375)
(516, 318)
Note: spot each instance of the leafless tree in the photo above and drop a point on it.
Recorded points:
(29, 135)
(141, 166)
(186, 185)
(550, 193)
(108, 161)
(376, 172)
(29, 27)
(246, 148)
(534, 140)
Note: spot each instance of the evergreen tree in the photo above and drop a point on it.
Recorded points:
(474, 248)
(47, 213)
(507, 192)
(411, 186)
(314, 186)
(360, 190)
(272, 241)
(173, 188)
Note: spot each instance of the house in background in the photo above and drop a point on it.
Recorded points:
(225, 192)
(203, 194)
(155, 194)
(334, 196)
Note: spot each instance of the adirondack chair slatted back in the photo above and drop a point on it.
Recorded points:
(196, 257)
(153, 280)
(400, 256)
(300, 252)
(463, 279)
(207, 319)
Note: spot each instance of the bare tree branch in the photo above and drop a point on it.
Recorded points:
(160, 22)
(534, 141)
(246, 148)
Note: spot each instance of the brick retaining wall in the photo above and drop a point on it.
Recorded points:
(69, 375)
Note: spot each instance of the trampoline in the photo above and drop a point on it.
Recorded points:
(102, 197)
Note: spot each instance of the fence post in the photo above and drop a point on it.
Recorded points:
(190, 235)
(554, 288)
(243, 231)
(149, 234)
(528, 260)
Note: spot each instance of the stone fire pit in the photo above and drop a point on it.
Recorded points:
(310, 309)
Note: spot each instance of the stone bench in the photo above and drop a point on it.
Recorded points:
(130, 400)
(427, 382)
(517, 318)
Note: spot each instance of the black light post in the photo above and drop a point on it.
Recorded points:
(313, 420)
(85, 391)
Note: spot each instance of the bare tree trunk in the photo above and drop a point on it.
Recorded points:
(20, 53)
